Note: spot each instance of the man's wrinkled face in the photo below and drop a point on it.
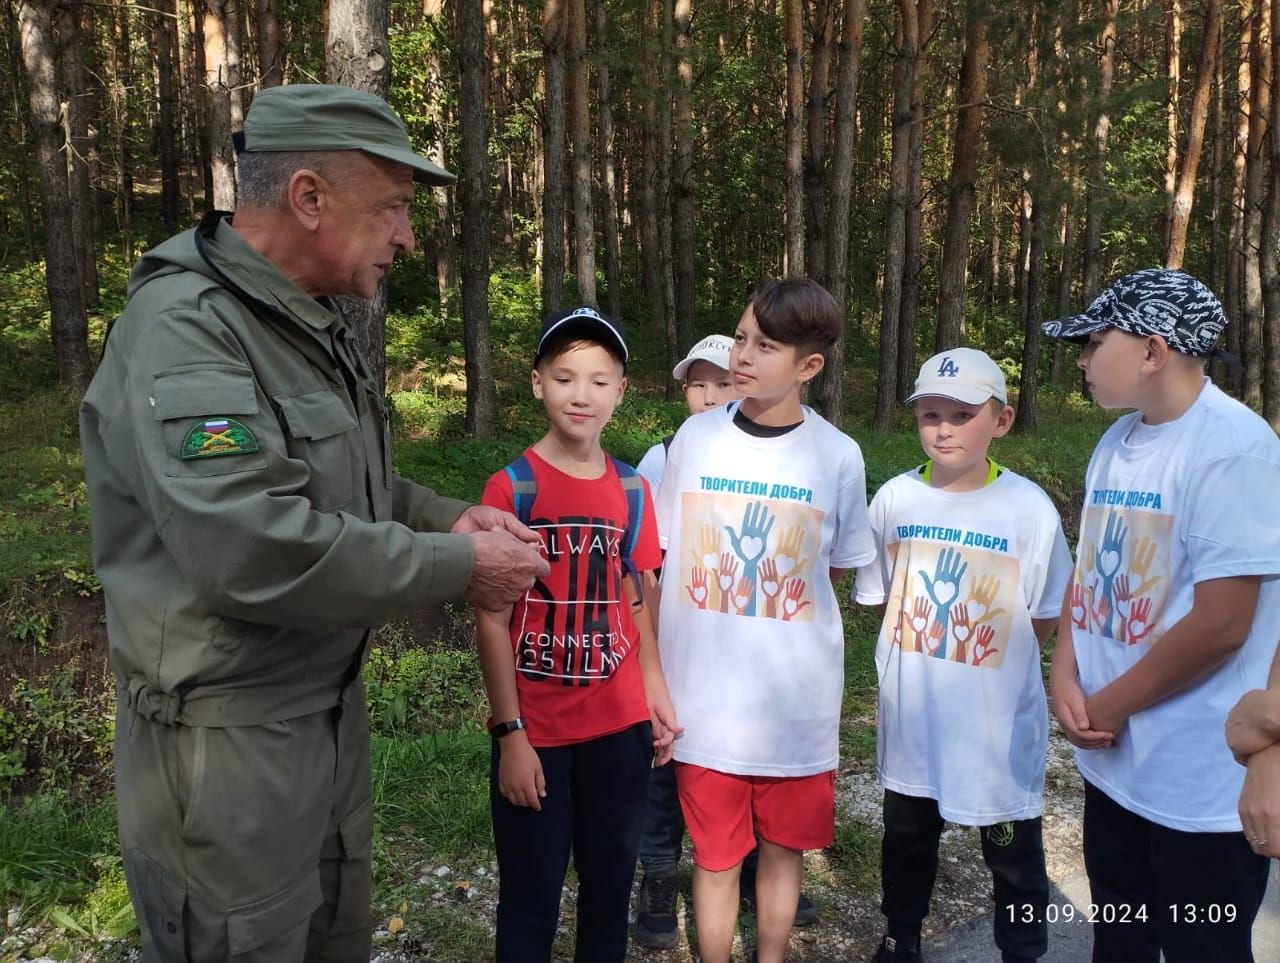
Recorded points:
(365, 224)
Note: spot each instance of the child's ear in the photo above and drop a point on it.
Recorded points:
(1157, 353)
(622, 387)
(536, 380)
(810, 366)
(1004, 421)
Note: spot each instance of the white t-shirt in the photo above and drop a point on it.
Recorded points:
(652, 465)
(749, 627)
(962, 714)
(1166, 507)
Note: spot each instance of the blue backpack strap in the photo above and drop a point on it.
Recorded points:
(633, 488)
(524, 488)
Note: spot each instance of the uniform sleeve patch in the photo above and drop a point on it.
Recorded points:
(211, 437)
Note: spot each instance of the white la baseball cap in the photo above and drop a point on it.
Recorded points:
(714, 348)
(965, 374)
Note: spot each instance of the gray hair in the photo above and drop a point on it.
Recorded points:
(263, 176)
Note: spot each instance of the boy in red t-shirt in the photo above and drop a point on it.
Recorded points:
(579, 706)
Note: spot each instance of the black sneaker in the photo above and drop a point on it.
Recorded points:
(891, 951)
(806, 912)
(656, 912)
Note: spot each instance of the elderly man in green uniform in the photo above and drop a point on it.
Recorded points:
(248, 529)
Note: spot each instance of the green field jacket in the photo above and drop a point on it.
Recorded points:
(247, 525)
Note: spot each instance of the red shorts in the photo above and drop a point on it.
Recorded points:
(724, 811)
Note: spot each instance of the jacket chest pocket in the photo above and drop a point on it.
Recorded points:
(321, 431)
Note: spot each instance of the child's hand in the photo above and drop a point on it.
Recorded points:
(662, 716)
(1249, 724)
(1260, 801)
(1068, 702)
(520, 779)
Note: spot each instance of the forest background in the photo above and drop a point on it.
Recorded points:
(952, 170)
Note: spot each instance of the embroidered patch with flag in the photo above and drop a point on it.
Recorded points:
(218, 436)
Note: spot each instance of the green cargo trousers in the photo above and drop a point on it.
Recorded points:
(251, 843)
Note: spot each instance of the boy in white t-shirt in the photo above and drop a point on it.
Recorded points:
(1172, 616)
(971, 566)
(763, 504)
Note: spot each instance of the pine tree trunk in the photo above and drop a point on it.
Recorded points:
(815, 160)
(1270, 255)
(665, 226)
(357, 54)
(67, 324)
(1097, 184)
(220, 81)
(1233, 286)
(473, 190)
(1027, 416)
(1217, 236)
(792, 137)
(1255, 179)
(828, 393)
(164, 43)
(895, 218)
(682, 178)
(553, 138)
(18, 137)
(270, 53)
(76, 138)
(961, 191)
(913, 258)
(1173, 81)
(1066, 271)
(651, 216)
(441, 240)
(580, 124)
(612, 246)
(1181, 212)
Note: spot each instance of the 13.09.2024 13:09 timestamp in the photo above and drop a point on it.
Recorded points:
(1178, 913)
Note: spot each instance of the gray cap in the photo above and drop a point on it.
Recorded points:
(304, 117)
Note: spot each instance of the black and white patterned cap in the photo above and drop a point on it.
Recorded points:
(1171, 304)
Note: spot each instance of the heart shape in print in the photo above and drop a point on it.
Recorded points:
(700, 594)
(945, 591)
(751, 546)
(1110, 561)
(785, 564)
(710, 562)
(976, 611)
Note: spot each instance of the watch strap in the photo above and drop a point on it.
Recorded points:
(500, 729)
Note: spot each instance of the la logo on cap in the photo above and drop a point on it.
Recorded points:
(948, 368)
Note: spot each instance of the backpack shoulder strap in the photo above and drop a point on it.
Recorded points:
(633, 488)
(524, 488)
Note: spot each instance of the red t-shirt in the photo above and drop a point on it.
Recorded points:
(573, 637)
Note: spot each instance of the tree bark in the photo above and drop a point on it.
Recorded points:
(473, 187)
(1027, 416)
(1097, 183)
(792, 138)
(553, 138)
(580, 124)
(1180, 214)
(912, 258)
(76, 138)
(18, 136)
(357, 54)
(815, 160)
(651, 216)
(221, 79)
(1173, 81)
(665, 228)
(164, 39)
(685, 255)
(67, 324)
(612, 246)
(1270, 255)
(270, 53)
(895, 218)
(828, 393)
(442, 240)
(1255, 167)
(1233, 287)
(961, 190)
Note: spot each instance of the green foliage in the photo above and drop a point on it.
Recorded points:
(414, 690)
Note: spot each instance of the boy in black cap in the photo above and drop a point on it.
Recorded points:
(575, 685)
(1172, 615)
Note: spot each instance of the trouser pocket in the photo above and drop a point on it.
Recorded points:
(275, 928)
(160, 903)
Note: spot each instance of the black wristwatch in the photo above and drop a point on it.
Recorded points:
(500, 729)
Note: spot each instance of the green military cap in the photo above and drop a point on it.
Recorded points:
(302, 117)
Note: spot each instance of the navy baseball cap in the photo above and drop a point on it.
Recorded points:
(586, 323)
(1171, 304)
